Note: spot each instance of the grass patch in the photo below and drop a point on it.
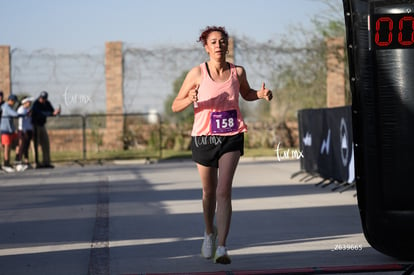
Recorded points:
(143, 154)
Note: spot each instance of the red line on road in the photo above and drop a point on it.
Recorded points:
(297, 271)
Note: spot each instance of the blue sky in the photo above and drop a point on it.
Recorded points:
(78, 25)
(83, 26)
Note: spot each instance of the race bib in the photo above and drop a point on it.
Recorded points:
(224, 122)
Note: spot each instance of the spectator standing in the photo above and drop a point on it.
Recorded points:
(1, 104)
(25, 134)
(8, 130)
(41, 109)
(1, 100)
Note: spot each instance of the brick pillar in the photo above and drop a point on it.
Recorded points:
(230, 55)
(5, 70)
(335, 78)
(114, 95)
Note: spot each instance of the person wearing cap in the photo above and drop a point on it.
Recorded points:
(25, 134)
(8, 130)
(41, 109)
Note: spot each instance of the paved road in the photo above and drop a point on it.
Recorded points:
(135, 218)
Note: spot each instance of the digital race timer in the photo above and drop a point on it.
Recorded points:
(392, 27)
(392, 31)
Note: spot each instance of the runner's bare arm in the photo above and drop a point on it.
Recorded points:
(248, 93)
(188, 91)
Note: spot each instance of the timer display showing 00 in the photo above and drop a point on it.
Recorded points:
(392, 31)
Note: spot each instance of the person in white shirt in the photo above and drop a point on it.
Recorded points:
(25, 134)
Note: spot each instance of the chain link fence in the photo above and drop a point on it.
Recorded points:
(76, 81)
(105, 137)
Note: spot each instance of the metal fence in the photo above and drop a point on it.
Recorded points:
(105, 136)
(77, 80)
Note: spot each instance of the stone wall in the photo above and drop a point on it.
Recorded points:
(114, 93)
(335, 79)
(5, 70)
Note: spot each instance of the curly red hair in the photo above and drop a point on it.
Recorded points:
(210, 29)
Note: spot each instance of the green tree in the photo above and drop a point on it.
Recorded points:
(301, 81)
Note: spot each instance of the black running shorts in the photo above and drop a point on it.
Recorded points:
(207, 150)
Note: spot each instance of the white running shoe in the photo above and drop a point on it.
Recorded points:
(209, 244)
(8, 169)
(21, 167)
(221, 256)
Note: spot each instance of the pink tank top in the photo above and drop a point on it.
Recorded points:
(218, 111)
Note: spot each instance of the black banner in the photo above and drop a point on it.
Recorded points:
(326, 142)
